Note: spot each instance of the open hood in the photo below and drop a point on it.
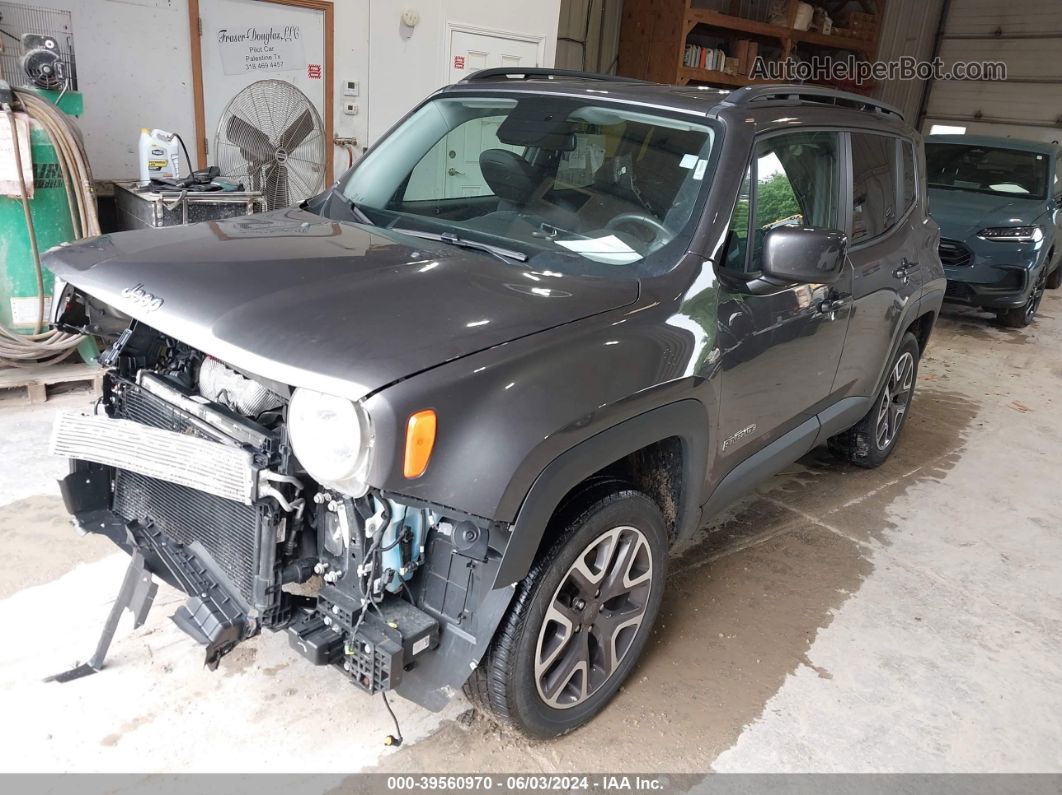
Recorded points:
(335, 306)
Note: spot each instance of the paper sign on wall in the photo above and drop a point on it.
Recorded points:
(277, 48)
(459, 62)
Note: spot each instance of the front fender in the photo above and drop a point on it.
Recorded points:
(686, 419)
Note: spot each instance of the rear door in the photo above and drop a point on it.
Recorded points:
(886, 273)
(779, 349)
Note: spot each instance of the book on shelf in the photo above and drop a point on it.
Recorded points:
(697, 56)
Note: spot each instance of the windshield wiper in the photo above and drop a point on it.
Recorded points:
(360, 214)
(504, 254)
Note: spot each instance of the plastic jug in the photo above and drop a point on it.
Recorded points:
(158, 155)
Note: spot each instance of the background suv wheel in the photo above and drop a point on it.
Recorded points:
(870, 441)
(1054, 281)
(1022, 316)
(580, 618)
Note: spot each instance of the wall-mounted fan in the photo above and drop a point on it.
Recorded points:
(270, 138)
(44, 57)
(43, 63)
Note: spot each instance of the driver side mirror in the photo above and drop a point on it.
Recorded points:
(804, 255)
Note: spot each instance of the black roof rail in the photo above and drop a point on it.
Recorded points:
(539, 73)
(789, 94)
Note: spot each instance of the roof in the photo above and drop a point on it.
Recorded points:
(701, 100)
(1040, 147)
(697, 99)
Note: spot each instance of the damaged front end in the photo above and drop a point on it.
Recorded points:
(187, 464)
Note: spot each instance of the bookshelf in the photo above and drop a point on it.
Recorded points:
(655, 36)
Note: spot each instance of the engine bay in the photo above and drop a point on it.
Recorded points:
(347, 577)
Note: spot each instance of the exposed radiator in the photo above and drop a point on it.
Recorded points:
(227, 529)
(230, 530)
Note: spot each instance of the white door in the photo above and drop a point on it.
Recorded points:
(244, 41)
(470, 52)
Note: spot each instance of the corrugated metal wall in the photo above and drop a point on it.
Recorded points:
(1027, 36)
(909, 28)
(588, 35)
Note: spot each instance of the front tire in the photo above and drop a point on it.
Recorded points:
(870, 441)
(1022, 316)
(1054, 281)
(579, 620)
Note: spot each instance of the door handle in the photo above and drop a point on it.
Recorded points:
(905, 270)
(453, 172)
(835, 303)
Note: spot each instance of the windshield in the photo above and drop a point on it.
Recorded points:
(1010, 172)
(566, 181)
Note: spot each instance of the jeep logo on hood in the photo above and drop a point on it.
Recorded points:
(142, 298)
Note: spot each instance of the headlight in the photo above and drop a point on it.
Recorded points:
(1012, 234)
(332, 438)
(60, 296)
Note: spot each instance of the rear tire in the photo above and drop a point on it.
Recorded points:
(871, 441)
(579, 620)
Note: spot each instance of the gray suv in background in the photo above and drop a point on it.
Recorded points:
(442, 423)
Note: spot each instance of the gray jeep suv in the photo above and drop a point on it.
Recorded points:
(442, 423)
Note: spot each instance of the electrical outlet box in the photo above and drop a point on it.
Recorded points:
(350, 88)
(350, 108)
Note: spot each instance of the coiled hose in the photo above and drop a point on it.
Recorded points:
(45, 347)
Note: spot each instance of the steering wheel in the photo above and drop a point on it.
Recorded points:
(658, 228)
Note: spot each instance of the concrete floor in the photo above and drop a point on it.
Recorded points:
(905, 619)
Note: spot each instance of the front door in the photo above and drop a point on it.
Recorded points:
(883, 249)
(779, 349)
(469, 52)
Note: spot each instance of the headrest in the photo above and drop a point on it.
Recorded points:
(539, 123)
(508, 175)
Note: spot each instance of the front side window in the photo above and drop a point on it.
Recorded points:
(795, 179)
(558, 178)
(873, 185)
(986, 169)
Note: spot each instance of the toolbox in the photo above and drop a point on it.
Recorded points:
(139, 206)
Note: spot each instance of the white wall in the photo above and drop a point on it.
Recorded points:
(135, 71)
(134, 65)
(407, 65)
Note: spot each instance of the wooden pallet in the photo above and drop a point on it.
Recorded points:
(32, 384)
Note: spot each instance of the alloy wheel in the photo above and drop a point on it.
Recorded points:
(894, 401)
(593, 617)
(1037, 295)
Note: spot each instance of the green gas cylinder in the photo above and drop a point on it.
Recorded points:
(50, 211)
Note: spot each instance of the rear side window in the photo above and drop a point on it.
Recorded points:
(874, 187)
(907, 151)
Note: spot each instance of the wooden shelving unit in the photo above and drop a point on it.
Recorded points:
(654, 35)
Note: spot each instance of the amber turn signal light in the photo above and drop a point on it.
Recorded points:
(420, 438)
